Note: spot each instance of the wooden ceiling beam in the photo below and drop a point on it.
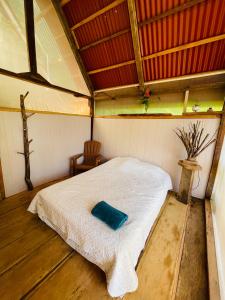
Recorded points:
(98, 13)
(64, 2)
(164, 52)
(136, 43)
(105, 39)
(170, 12)
(126, 63)
(148, 21)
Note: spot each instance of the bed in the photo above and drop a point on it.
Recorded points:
(135, 187)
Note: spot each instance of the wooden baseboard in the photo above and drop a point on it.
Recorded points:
(214, 289)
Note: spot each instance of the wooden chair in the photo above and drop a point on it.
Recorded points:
(92, 158)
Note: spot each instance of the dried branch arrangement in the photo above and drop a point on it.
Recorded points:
(26, 142)
(194, 139)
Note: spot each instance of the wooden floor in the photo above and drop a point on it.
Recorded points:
(35, 263)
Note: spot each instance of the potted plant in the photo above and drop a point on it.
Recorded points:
(146, 98)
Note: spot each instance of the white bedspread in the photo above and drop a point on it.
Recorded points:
(130, 185)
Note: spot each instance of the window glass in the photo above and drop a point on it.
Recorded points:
(13, 45)
(55, 60)
(40, 98)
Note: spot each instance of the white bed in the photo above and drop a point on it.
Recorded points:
(130, 185)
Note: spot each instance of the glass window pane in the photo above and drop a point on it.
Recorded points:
(13, 45)
(55, 60)
(40, 98)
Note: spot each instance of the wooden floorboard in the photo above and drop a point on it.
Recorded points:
(193, 282)
(36, 263)
(24, 246)
(20, 279)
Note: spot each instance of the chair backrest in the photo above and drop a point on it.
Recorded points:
(91, 151)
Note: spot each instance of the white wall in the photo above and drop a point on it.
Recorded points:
(218, 209)
(56, 138)
(153, 140)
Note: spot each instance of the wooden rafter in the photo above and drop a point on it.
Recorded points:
(98, 13)
(130, 62)
(164, 52)
(136, 43)
(72, 44)
(105, 39)
(64, 2)
(171, 11)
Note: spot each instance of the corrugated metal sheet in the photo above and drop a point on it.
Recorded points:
(195, 60)
(111, 78)
(198, 22)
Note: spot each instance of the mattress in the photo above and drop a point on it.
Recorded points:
(135, 187)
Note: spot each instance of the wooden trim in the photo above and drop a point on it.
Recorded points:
(10, 109)
(216, 156)
(73, 46)
(189, 116)
(136, 43)
(2, 188)
(214, 290)
(164, 52)
(177, 78)
(98, 13)
(170, 12)
(112, 67)
(185, 46)
(105, 39)
(37, 80)
(186, 95)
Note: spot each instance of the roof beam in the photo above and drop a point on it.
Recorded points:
(170, 12)
(126, 63)
(136, 43)
(164, 52)
(98, 13)
(105, 39)
(72, 45)
(64, 2)
(186, 46)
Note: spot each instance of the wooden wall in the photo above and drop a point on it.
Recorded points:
(56, 138)
(153, 140)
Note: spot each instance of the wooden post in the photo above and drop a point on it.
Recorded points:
(26, 142)
(92, 105)
(187, 178)
(216, 156)
(2, 189)
(186, 95)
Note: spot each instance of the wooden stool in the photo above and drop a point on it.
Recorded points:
(187, 178)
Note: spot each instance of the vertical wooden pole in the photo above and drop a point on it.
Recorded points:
(92, 105)
(26, 143)
(186, 95)
(2, 188)
(216, 156)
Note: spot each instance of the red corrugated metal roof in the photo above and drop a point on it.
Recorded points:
(198, 22)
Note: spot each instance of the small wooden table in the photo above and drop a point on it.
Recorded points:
(187, 178)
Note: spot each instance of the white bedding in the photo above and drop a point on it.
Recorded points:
(130, 185)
